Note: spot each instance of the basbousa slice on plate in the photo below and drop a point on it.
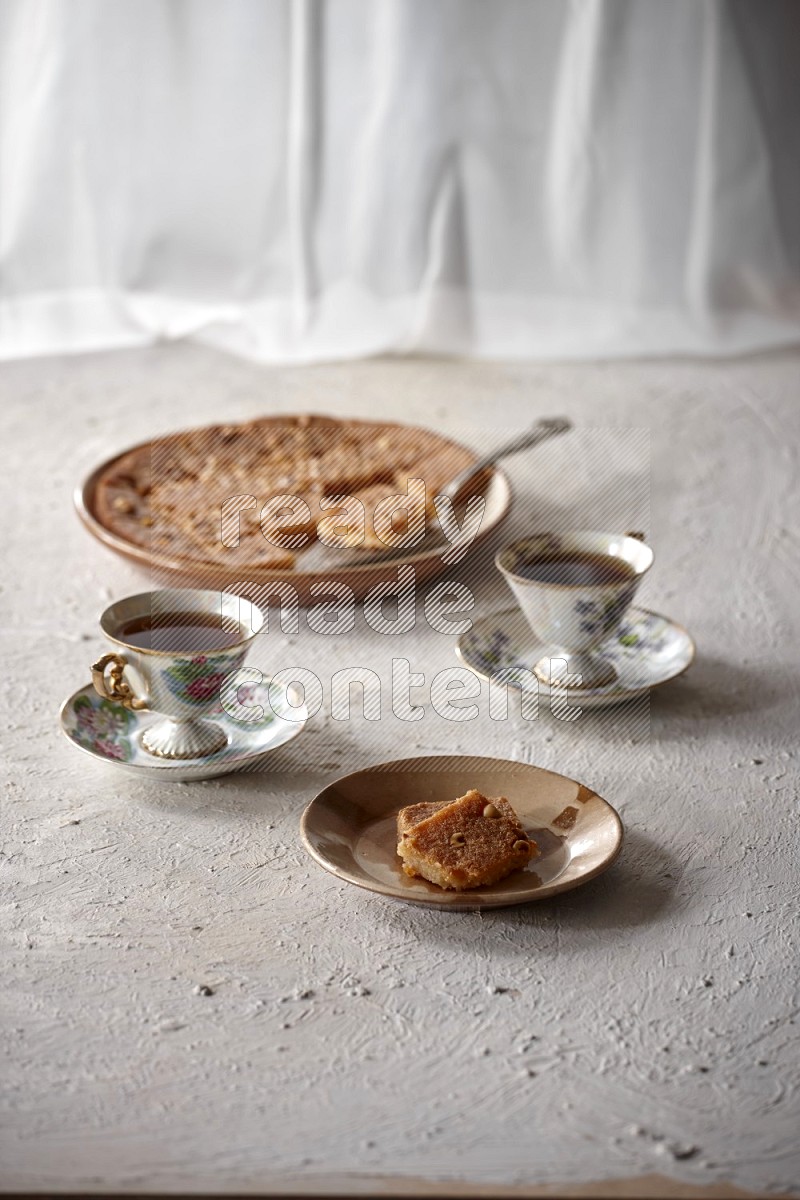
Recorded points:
(471, 842)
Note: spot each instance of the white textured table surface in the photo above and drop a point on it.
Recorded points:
(644, 1025)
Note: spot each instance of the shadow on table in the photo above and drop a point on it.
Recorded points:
(303, 765)
(633, 892)
(716, 691)
(714, 695)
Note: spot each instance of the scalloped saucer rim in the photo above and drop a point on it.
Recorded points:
(111, 734)
(626, 651)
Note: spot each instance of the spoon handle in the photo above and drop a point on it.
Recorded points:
(540, 432)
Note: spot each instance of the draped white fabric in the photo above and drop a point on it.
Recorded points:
(305, 179)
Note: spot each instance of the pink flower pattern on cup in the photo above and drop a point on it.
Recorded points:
(196, 680)
(201, 689)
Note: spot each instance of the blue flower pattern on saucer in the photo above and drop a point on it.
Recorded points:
(646, 649)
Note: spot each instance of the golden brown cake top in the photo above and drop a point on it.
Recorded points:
(470, 838)
(413, 814)
(167, 495)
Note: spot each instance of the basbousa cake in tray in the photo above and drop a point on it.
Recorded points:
(262, 494)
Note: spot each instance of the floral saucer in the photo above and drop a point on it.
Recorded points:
(112, 733)
(647, 650)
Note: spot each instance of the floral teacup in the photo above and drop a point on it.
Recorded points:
(176, 648)
(580, 601)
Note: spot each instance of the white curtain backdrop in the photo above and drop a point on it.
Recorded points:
(305, 179)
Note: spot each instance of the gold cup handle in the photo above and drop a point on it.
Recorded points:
(116, 688)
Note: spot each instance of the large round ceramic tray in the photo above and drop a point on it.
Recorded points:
(361, 577)
(350, 828)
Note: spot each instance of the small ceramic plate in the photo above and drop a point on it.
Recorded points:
(350, 828)
(647, 650)
(112, 734)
